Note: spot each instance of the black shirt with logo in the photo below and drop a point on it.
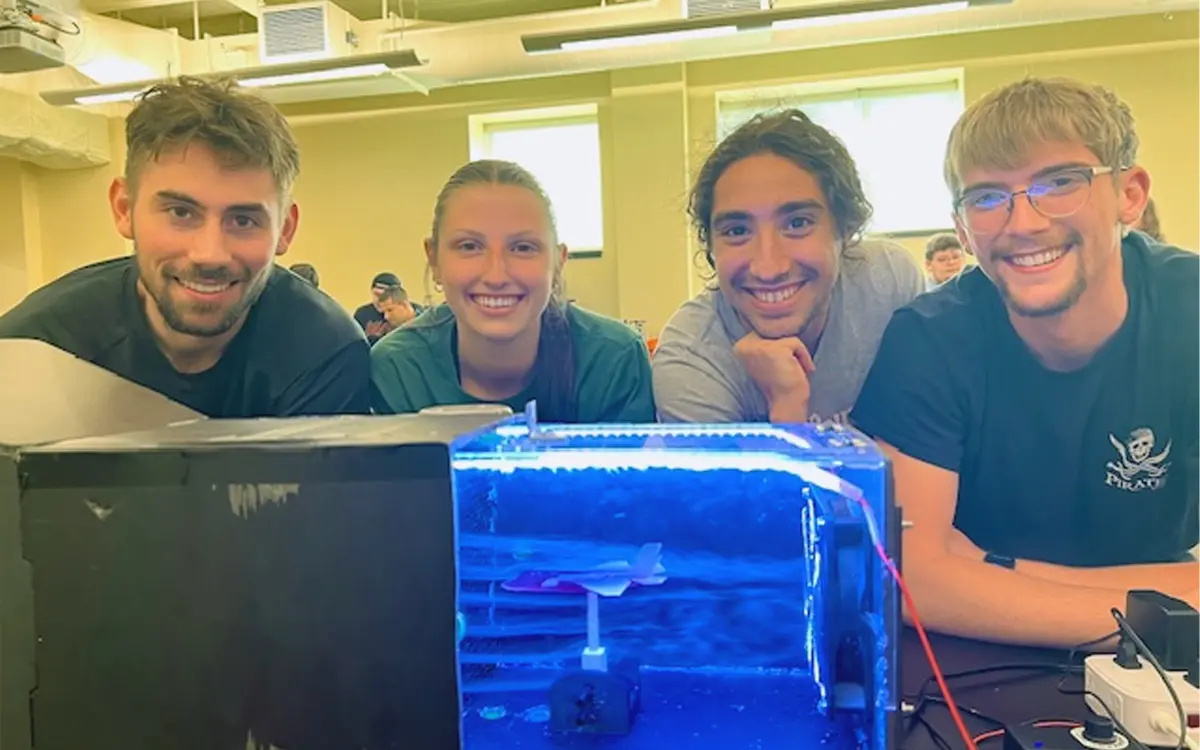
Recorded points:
(298, 352)
(1092, 467)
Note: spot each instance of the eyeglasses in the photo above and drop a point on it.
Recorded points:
(986, 210)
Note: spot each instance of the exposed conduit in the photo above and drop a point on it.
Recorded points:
(51, 137)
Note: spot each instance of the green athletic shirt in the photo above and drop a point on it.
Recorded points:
(416, 366)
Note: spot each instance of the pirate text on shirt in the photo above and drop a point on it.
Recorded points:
(1137, 466)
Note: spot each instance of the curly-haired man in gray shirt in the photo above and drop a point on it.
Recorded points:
(801, 300)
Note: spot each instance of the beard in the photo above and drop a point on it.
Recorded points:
(1057, 307)
(1064, 302)
(193, 317)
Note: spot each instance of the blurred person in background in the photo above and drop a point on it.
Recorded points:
(944, 259)
(370, 316)
(307, 272)
(1148, 224)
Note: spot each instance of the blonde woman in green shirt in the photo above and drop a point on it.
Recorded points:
(505, 335)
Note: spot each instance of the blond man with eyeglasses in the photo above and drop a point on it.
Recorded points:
(1041, 413)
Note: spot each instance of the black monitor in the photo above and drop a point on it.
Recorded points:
(205, 583)
(47, 395)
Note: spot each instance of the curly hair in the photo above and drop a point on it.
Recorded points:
(791, 135)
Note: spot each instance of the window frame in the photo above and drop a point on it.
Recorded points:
(482, 126)
(797, 94)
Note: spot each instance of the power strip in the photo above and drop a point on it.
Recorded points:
(1140, 700)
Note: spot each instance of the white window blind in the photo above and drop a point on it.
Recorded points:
(564, 155)
(897, 136)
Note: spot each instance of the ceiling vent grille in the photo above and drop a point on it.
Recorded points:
(305, 31)
(710, 8)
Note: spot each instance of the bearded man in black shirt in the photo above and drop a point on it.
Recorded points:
(200, 312)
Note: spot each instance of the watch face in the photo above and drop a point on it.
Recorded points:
(1001, 560)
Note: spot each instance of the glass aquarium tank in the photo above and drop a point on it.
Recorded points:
(465, 579)
(674, 586)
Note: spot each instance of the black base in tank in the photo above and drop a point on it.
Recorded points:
(592, 702)
(679, 709)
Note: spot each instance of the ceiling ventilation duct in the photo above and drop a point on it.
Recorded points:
(708, 8)
(306, 31)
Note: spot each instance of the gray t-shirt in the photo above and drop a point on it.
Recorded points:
(698, 378)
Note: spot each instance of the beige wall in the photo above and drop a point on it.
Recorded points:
(372, 168)
(13, 280)
(21, 266)
(77, 226)
(355, 219)
(52, 221)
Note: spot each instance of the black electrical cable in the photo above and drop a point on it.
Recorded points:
(938, 740)
(1014, 667)
(938, 700)
(1061, 687)
(1127, 631)
(922, 699)
(1071, 658)
(915, 716)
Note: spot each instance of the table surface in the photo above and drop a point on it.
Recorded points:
(1011, 697)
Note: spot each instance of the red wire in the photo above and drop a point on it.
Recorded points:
(1000, 732)
(955, 715)
(959, 724)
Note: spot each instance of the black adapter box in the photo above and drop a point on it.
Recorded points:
(1169, 627)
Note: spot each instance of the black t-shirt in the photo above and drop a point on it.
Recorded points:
(372, 322)
(375, 324)
(298, 353)
(1092, 467)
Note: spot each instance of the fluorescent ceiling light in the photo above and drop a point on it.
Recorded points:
(868, 15)
(108, 70)
(316, 76)
(638, 40)
(262, 76)
(824, 13)
(113, 98)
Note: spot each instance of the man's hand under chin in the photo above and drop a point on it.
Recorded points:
(781, 369)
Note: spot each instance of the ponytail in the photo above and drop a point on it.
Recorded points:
(554, 368)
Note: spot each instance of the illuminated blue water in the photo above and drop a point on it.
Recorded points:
(727, 643)
(680, 711)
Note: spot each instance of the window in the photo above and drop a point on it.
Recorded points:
(895, 128)
(561, 148)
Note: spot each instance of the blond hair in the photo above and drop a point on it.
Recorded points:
(243, 130)
(999, 129)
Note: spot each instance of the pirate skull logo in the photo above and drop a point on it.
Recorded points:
(1141, 442)
(1136, 455)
